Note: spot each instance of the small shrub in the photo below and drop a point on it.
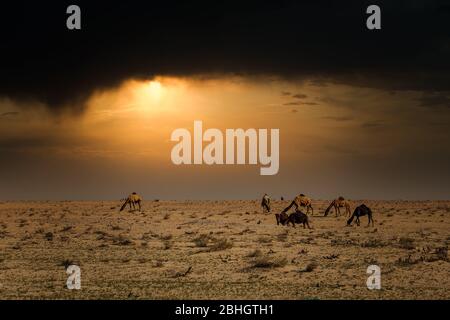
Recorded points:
(438, 254)
(373, 243)
(49, 236)
(255, 253)
(221, 244)
(406, 261)
(158, 264)
(269, 262)
(310, 267)
(202, 240)
(122, 241)
(406, 243)
(282, 237)
(167, 245)
(264, 239)
(166, 237)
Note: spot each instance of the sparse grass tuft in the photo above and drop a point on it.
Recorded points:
(282, 237)
(406, 261)
(310, 267)
(255, 253)
(268, 262)
(263, 239)
(66, 228)
(166, 237)
(373, 243)
(202, 240)
(158, 264)
(49, 236)
(121, 241)
(221, 244)
(406, 243)
(167, 244)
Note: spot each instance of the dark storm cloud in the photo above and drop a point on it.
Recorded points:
(373, 124)
(299, 103)
(9, 114)
(36, 141)
(300, 96)
(318, 41)
(295, 103)
(434, 100)
(338, 118)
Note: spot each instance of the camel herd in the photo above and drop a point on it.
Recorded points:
(303, 201)
(297, 217)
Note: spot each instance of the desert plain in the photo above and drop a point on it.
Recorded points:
(221, 250)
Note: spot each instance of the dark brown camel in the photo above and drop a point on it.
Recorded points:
(360, 211)
(295, 217)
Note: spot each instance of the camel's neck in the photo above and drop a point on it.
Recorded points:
(329, 207)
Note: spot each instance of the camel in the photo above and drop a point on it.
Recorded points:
(360, 211)
(295, 217)
(281, 218)
(301, 201)
(132, 200)
(298, 217)
(265, 203)
(339, 203)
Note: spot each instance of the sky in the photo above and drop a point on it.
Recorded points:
(88, 114)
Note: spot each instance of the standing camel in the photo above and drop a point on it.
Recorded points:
(265, 203)
(132, 200)
(360, 211)
(339, 203)
(300, 201)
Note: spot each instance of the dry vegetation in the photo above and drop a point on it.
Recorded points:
(221, 249)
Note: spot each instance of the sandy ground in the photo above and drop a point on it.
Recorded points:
(221, 250)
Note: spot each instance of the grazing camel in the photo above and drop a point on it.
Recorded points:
(265, 203)
(132, 200)
(299, 218)
(360, 211)
(339, 203)
(281, 218)
(295, 217)
(301, 201)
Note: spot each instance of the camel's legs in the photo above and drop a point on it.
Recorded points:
(370, 220)
(139, 204)
(337, 211)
